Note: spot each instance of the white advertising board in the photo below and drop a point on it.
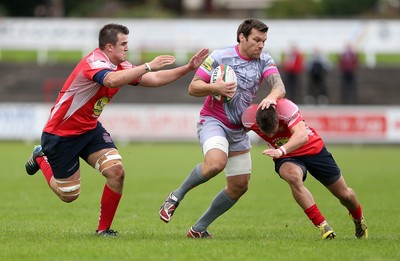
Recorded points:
(153, 122)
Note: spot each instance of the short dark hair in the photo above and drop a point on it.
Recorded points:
(109, 32)
(248, 24)
(267, 119)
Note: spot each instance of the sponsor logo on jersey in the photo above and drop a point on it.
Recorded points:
(207, 64)
(99, 106)
(281, 141)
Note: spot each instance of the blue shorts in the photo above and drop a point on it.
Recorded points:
(63, 152)
(208, 127)
(321, 166)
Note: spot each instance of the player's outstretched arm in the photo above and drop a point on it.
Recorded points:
(157, 78)
(120, 78)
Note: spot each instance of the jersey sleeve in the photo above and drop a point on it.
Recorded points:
(270, 66)
(206, 68)
(288, 112)
(94, 63)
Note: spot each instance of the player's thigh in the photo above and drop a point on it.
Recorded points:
(214, 162)
(292, 172)
(62, 154)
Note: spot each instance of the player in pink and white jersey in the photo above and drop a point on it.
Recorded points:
(296, 148)
(73, 130)
(225, 144)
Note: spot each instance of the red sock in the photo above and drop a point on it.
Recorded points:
(356, 213)
(45, 167)
(314, 215)
(108, 207)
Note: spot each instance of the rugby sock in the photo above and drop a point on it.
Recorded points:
(356, 213)
(194, 179)
(314, 215)
(45, 167)
(108, 207)
(220, 204)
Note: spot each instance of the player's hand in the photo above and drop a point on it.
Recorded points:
(266, 102)
(161, 61)
(223, 88)
(198, 59)
(273, 153)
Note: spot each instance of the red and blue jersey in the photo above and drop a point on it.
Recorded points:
(289, 116)
(82, 99)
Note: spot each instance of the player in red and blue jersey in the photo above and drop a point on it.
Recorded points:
(297, 148)
(225, 144)
(73, 130)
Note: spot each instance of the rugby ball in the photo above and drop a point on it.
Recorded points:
(249, 116)
(229, 76)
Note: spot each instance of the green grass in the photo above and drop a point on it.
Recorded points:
(266, 224)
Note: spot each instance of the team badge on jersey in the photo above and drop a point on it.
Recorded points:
(99, 105)
(281, 141)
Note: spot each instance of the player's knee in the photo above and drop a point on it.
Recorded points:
(238, 187)
(116, 173)
(293, 179)
(111, 161)
(347, 196)
(69, 190)
(242, 188)
(68, 199)
(215, 167)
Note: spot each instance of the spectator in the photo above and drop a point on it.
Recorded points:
(293, 67)
(348, 64)
(318, 67)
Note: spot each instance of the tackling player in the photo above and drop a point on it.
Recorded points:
(296, 148)
(73, 130)
(225, 143)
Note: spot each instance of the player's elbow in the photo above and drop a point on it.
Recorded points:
(192, 91)
(303, 138)
(111, 81)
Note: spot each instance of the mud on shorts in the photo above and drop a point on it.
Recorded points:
(63, 152)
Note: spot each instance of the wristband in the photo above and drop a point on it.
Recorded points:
(282, 150)
(147, 67)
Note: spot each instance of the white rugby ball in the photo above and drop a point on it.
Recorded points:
(229, 76)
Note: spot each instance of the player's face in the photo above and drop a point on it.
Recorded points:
(253, 46)
(120, 49)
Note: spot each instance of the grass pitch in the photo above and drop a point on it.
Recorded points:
(266, 224)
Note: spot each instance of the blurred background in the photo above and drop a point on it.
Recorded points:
(339, 60)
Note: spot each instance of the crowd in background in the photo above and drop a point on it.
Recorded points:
(315, 67)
